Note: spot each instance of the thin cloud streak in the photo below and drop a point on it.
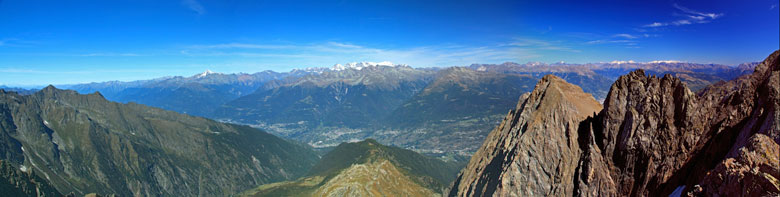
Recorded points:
(194, 5)
(519, 49)
(626, 36)
(689, 17)
(110, 55)
(98, 71)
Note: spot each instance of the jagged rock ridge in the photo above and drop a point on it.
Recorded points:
(653, 137)
(536, 143)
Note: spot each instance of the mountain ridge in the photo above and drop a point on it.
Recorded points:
(85, 144)
(654, 136)
(366, 168)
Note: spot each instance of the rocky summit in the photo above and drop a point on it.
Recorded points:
(653, 137)
(534, 150)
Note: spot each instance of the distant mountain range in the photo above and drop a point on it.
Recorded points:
(431, 110)
(196, 95)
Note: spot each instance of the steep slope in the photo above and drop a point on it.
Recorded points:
(367, 168)
(534, 150)
(654, 137)
(84, 144)
(15, 182)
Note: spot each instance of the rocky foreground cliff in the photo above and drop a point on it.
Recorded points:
(653, 137)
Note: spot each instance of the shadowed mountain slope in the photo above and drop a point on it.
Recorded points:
(84, 144)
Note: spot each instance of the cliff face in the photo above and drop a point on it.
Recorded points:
(653, 137)
(641, 137)
(534, 150)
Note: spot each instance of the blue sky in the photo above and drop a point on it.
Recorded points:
(58, 42)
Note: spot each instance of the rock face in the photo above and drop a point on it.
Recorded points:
(534, 151)
(15, 182)
(653, 137)
(641, 137)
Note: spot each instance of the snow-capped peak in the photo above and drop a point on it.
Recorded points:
(622, 62)
(204, 73)
(534, 64)
(361, 65)
(664, 61)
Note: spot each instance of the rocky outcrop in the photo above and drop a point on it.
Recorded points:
(752, 164)
(23, 182)
(534, 150)
(639, 140)
(753, 172)
(653, 137)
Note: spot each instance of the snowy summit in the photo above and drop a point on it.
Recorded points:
(361, 65)
(204, 73)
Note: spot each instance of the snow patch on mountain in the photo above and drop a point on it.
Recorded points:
(205, 73)
(664, 62)
(361, 65)
(622, 62)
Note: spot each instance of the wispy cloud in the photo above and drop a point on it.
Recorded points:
(535, 44)
(630, 42)
(328, 53)
(14, 42)
(688, 16)
(194, 5)
(622, 39)
(343, 45)
(634, 36)
(90, 71)
(109, 55)
(242, 46)
(626, 36)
